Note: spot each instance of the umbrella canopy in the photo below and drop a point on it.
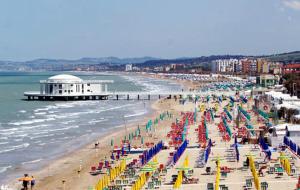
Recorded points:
(147, 169)
(184, 168)
(151, 163)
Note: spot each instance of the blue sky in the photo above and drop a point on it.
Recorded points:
(72, 29)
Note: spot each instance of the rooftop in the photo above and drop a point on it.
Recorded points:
(64, 77)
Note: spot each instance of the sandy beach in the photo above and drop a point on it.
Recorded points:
(72, 170)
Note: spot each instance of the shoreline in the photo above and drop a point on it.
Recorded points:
(48, 170)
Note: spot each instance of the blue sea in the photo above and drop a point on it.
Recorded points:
(34, 132)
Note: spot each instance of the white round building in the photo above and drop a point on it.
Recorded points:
(69, 87)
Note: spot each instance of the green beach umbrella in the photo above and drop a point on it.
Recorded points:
(151, 163)
(112, 142)
(147, 169)
(142, 140)
(183, 168)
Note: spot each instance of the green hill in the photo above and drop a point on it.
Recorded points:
(290, 57)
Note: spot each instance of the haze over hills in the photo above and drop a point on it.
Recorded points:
(44, 64)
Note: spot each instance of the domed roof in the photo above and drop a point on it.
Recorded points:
(65, 78)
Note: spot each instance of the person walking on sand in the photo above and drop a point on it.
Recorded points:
(25, 182)
(32, 183)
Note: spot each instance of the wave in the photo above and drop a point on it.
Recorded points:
(29, 122)
(16, 147)
(40, 113)
(136, 114)
(3, 143)
(94, 121)
(41, 136)
(62, 129)
(4, 168)
(22, 111)
(32, 161)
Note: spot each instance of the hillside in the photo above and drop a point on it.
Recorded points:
(290, 57)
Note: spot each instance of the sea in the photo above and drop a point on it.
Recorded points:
(34, 132)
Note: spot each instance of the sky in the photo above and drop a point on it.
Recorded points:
(71, 29)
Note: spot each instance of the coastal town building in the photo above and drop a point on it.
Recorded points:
(266, 80)
(245, 65)
(291, 68)
(226, 65)
(262, 66)
(128, 67)
(65, 87)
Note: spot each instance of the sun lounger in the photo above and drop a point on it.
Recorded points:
(271, 170)
(248, 183)
(210, 186)
(264, 185)
(223, 187)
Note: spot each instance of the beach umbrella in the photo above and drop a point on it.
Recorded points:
(112, 142)
(147, 169)
(142, 140)
(183, 168)
(152, 163)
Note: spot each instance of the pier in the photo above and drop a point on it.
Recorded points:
(36, 96)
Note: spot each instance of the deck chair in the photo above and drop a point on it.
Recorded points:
(248, 183)
(210, 186)
(264, 185)
(150, 185)
(271, 170)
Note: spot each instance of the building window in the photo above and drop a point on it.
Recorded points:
(60, 91)
(60, 86)
(88, 84)
(71, 84)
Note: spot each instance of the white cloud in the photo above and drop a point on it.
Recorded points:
(293, 4)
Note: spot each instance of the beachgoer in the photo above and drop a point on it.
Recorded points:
(32, 183)
(97, 144)
(25, 182)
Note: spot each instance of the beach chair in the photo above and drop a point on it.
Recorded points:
(150, 185)
(118, 182)
(264, 185)
(293, 170)
(208, 170)
(271, 170)
(158, 183)
(248, 183)
(224, 174)
(223, 187)
(210, 186)
(125, 182)
(164, 171)
(245, 166)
